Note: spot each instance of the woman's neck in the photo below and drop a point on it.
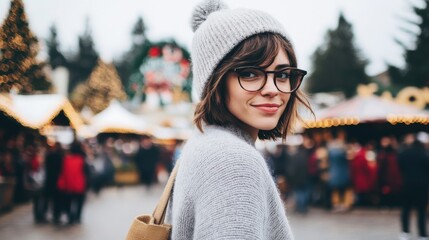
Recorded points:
(251, 131)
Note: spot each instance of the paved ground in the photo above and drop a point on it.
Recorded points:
(109, 215)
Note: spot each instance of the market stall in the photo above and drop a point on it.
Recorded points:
(23, 121)
(117, 132)
(37, 111)
(116, 119)
(366, 116)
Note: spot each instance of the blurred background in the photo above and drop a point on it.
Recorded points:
(95, 106)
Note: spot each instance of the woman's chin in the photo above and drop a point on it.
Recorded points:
(266, 127)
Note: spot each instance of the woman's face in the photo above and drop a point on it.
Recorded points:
(260, 110)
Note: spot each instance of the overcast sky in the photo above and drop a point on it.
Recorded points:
(376, 23)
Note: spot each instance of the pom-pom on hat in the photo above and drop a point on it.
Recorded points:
(217, 30)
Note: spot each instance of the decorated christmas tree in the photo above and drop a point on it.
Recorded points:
(19, 47)
(103, 85)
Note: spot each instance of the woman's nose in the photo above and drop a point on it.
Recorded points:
(270, 87)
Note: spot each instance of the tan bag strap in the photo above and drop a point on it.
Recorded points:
(161, 207)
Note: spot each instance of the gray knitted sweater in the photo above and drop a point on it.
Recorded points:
(224, 190)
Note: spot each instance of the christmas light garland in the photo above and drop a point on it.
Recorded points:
(350, 121)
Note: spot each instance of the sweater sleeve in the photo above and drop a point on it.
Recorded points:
(231, 200)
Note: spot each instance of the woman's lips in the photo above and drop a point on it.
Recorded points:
(269, 108)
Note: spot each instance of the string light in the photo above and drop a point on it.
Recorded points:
(74, 118)
(407, 119)
(332, 122)
(124, 130)
(350, 121)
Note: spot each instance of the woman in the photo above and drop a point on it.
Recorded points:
(246, 80)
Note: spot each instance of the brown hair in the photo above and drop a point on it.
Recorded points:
(257, 50)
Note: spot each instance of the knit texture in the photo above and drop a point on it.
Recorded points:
(217, 31)
(223, 190)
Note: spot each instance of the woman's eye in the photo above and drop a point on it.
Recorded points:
(248, 74)
(282, 75)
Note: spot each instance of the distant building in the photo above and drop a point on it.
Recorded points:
(325, 100)
(383, 79)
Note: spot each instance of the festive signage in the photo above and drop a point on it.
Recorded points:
(417, 97)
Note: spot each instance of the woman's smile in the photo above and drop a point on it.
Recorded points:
(269, 108)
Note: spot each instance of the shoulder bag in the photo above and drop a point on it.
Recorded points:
(152, 227)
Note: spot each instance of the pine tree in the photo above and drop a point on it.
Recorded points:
(417, 59)
(56, 58)
(19, 48)
(139, 33)
(103, 85)
(83, 63)
(337, 64)
(128, 66)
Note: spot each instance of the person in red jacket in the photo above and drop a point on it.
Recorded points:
(73, 181)
(364, 174)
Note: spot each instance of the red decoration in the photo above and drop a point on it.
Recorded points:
(154, 52)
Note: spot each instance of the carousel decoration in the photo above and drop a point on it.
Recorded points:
(368, 108)
(367, 116)
(364, 109)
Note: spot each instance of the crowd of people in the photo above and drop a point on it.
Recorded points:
(53, 177)
(330, 171)
(56, 177)
(326, 170)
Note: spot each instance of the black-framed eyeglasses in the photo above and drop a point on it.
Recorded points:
(252, 79)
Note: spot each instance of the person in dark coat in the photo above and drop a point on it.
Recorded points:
(53, 165)
(34, 176)
(279, 164)
(389, 175)
(7, 169)
(146, 160)
(298, 175)
(414, 166)
(15, 148)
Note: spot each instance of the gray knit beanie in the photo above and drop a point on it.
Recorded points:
(217, 30)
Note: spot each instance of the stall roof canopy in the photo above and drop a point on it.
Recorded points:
(36, 111)
(116, 119)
